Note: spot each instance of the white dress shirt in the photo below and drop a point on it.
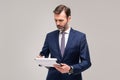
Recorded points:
(67, 32)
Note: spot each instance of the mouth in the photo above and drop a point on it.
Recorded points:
(60, 28)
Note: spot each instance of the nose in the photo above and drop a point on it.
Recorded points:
(57, 22)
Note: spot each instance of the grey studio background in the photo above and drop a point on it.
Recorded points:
(25, 23)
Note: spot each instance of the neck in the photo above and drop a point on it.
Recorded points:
(66, 28)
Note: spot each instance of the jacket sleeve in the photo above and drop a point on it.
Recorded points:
(84, 57)
(45, 50)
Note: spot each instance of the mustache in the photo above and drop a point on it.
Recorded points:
(58, 26)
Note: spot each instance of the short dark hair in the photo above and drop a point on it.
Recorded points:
(60, 8)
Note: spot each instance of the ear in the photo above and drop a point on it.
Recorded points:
(69, 18)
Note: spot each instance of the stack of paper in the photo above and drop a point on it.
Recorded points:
(48, 62)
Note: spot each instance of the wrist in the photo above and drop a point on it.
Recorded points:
(71, 70)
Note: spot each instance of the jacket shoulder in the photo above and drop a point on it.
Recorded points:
(53, 33)
(79, 33)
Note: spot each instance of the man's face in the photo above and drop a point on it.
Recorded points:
(61, 21)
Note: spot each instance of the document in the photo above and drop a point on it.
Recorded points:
(47, 62)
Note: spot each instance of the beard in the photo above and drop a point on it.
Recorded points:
(62, 28)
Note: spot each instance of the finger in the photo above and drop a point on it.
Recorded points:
(39, 56)
(63, 64)
(55, 65)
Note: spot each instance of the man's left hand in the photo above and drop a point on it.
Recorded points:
(63, 68)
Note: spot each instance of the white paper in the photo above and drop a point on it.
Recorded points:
(48, 62)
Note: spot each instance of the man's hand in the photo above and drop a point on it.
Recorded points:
(63, 68)
(39, 56)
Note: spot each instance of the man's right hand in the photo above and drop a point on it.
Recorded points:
(39, 56)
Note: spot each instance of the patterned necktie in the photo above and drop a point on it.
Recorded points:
(63, 43)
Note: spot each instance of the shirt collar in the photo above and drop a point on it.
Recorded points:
(67, 31)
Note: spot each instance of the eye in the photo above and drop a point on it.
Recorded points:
(55, 20)
(61, 20)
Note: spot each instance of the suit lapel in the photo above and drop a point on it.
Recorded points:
(57, 44)
(70, 40)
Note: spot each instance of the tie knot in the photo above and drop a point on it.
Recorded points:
(63, 33)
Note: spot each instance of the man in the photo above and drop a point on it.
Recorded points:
(68, 46)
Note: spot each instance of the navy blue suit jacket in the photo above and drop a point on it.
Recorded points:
(76, 54)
